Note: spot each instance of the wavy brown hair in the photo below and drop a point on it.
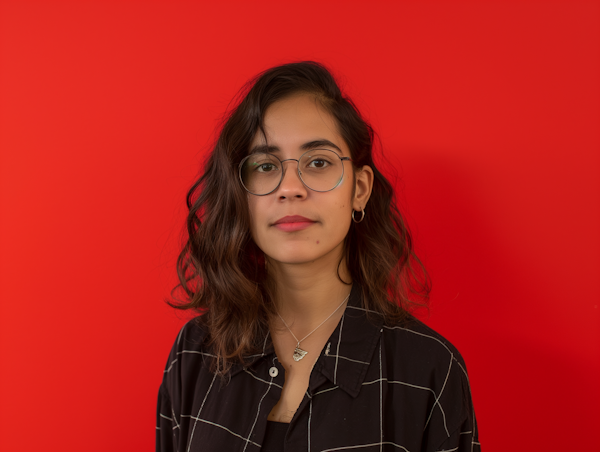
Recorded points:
(221, 270)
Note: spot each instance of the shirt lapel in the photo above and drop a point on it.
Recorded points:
(349, 351)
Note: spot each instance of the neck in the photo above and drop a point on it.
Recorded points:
(307, 293)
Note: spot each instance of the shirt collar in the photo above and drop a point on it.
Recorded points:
(347, 353)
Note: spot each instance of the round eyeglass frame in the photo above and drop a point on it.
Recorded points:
(297, 170)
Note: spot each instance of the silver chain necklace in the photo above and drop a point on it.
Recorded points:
(298, 352)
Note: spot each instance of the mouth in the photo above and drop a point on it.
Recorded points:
(293, 223)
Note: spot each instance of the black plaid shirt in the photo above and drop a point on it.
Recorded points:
(373, 388)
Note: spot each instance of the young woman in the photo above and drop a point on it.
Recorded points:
(302, 273)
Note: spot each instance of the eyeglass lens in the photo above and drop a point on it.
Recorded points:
(320, 170)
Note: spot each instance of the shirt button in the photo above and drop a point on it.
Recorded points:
(273, 371)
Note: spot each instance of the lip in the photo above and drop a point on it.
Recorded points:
(293, 219)
(293, 223)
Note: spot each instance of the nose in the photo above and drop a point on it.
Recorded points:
(291, 185)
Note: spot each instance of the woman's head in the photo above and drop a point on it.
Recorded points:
(301, 149)
(286, 112)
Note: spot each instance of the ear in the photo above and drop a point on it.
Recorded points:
(362, 188)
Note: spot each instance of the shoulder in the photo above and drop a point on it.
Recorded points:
(188, 356)
(416, 342)
(425, 359)
(191, 336)
(190, 339)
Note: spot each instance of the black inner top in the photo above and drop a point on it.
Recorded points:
(274, 436)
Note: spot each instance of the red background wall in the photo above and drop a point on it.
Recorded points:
(488, 110)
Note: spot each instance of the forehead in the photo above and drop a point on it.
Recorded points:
(292, 123)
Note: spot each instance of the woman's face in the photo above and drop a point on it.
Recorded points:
(291, 125)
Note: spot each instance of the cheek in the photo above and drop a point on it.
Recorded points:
(344, 205)
(340, 213)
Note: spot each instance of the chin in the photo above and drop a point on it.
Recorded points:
(299, 254)
(295, 258)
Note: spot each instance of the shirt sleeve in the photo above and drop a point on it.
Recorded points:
(463, 439)
(166, 429)
(463, 435)
(169, 397)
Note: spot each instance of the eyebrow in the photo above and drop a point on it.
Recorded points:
(315, 144)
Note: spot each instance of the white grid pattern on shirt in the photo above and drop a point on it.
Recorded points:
(381, 443)
(473, 442)
(197, 418)
(347, 359)
(404, 384)
(380, 381)
(264, 381)
(174, 419)
(258, 410)
(437, 399)
(360, 446)
(247, 439)
(187, 351)
(437, 396)
(325, 390)
(473, 413)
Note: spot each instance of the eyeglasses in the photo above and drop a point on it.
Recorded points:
(319, 169)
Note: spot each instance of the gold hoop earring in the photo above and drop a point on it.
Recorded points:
(361, 218)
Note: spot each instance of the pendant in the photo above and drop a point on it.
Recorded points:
(299, 354)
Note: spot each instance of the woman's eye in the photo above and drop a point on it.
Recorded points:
(318, 163)
(265, 167)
